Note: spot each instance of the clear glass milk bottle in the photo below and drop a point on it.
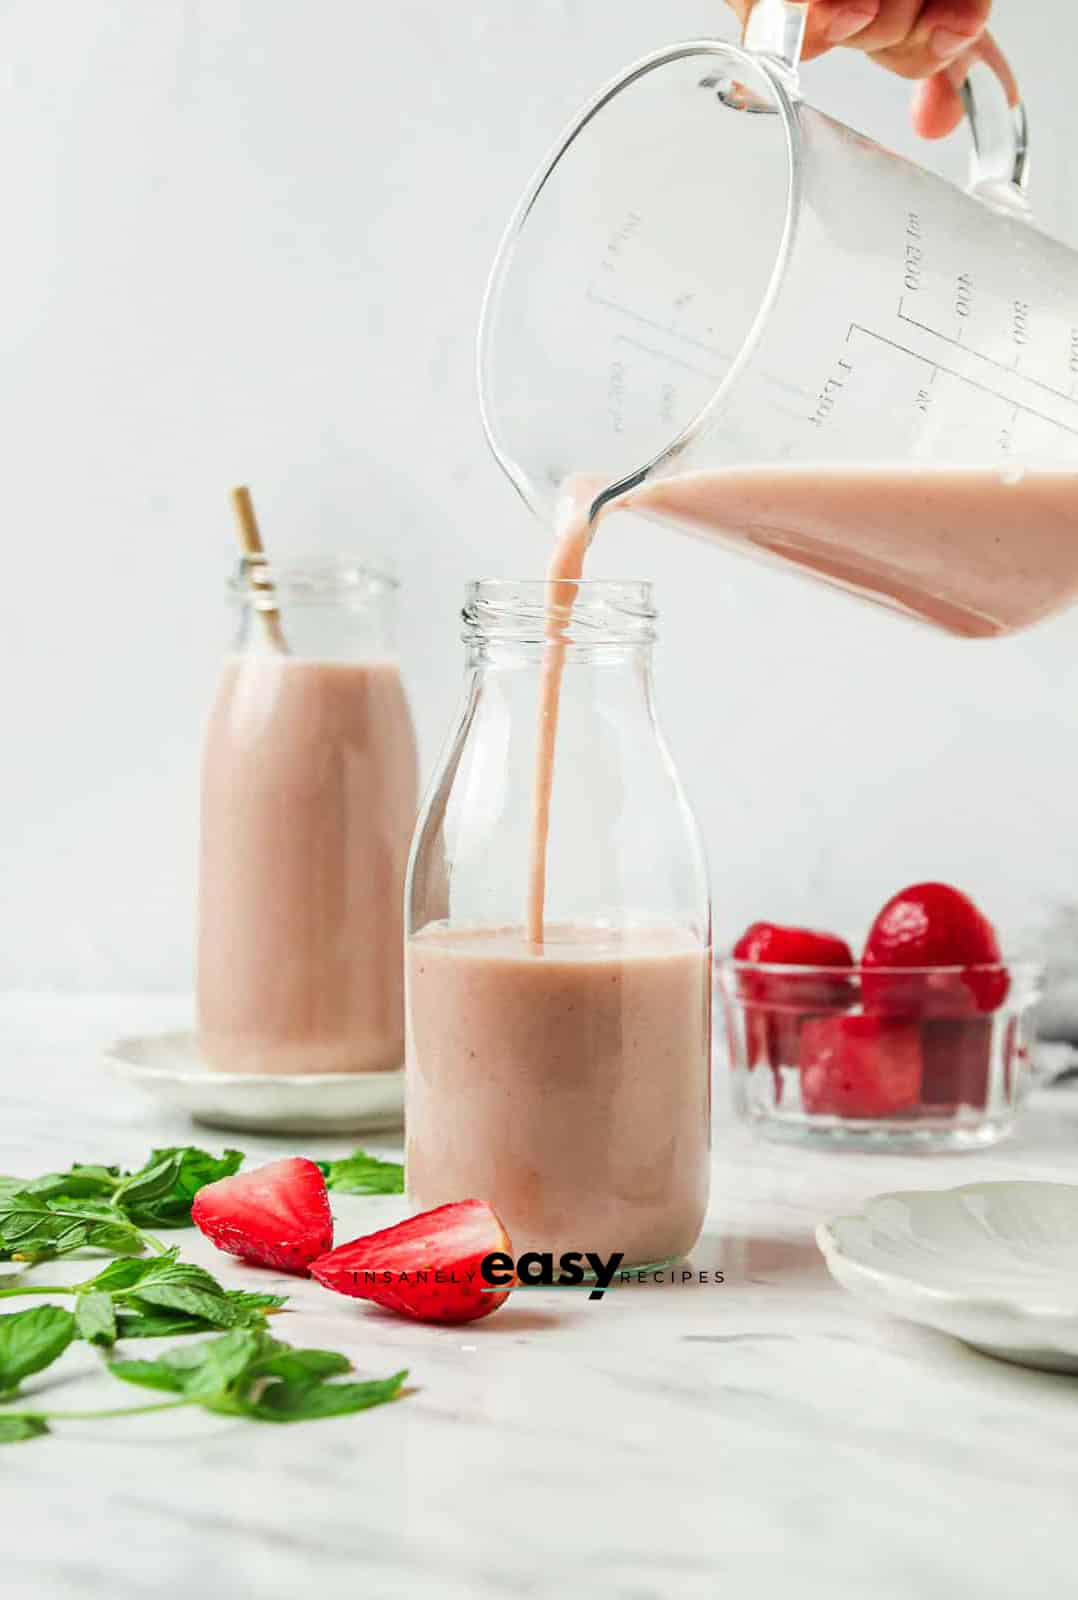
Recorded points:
(308, 804)
(564, 1079)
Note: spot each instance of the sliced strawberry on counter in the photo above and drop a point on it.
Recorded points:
(778, 1004)
(277, 1216)
(933, 925)
(854, 1065)
(427, 1268)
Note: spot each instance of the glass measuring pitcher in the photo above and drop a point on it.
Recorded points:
(727, 310)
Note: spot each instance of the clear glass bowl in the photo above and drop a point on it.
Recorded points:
(921, 1058)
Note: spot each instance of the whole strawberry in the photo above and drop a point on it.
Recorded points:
(932, 925)
(771, 944)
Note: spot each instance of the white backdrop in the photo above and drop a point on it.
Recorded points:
(246, 239)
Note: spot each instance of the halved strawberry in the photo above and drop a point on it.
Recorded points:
(428, 1268)
(277, 1216)
(860, 1066)
(933, 925)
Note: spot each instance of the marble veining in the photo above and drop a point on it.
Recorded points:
(672, 1440)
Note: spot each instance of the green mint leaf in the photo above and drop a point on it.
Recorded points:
(34, 1229)
(87, 1206)
(125, 1273)
(201, 1371)
(159, 1324)
(246, 1300)
(148, 1374)
(152, 1181)
(249, 1310)
(115, 1237)
(249, 1374)
(63, 1237)
(78, 1183)
(30, 1341)
(95, 1318)
(18, 1425)
(23, 1215)
(288, 1402)
(224, 1361)
(361, 1173)
(300, 1366)
(159, 1195)
(181, 1286)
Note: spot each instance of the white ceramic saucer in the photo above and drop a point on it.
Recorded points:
(168, 1067)
(993, 1264)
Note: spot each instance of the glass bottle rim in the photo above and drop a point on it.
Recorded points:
(589, 611)
(319, 580)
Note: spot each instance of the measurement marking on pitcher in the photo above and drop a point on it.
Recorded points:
(664, 355)
(649, 322)
(782, 408)
(984, 388)
(1020, 334)
(828, 395)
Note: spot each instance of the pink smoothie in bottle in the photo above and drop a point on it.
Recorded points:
(567, 1086)
(308, 804)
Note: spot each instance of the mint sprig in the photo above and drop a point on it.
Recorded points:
(152, 1297)
(91, 1207)
(35, 1228)
(243, 1373)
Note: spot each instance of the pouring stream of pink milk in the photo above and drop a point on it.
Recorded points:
(574, 530)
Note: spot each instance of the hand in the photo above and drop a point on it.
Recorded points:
(932, 40)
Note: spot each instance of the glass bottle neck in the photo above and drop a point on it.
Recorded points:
(598, 623)
(512, 655)
(335, 611)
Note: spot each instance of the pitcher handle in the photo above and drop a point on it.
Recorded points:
(999, 126)
(776, 29)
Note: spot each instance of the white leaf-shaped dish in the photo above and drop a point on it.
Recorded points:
(993, 1264)
(168, 1067)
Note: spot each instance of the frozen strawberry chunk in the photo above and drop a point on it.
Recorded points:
(277, 1216)
(773, 945)
(853, 1065)
(933, 925)
(957, 1055)
(428, 1268)
(777, 1004)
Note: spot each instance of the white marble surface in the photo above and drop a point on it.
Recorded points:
(764, 1437)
